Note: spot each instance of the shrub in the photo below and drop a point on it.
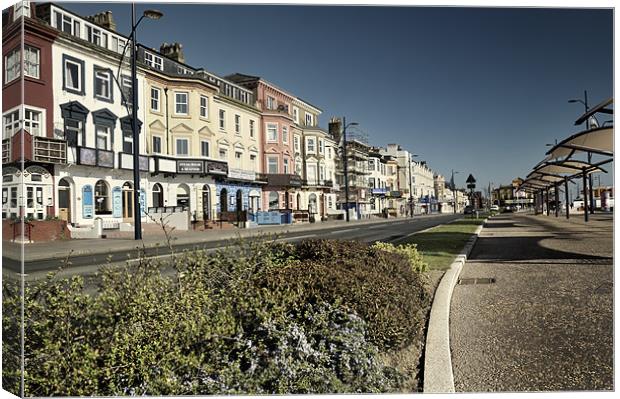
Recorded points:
(377, 285)
(207, 329)
(408, 251)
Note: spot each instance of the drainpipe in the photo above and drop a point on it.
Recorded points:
(167, 130)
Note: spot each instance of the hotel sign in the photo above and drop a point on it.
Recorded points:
(190, 167)
(217, 168)
(242, 174)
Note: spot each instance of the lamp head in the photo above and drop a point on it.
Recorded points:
(153, 14)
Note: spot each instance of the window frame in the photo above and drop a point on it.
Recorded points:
(204, 108)
(108, 72)
(177, 140)
(159, 138)
(108, 138)
(271, 127)
(177, 103)
(222, 119)
(202, 143)
(157, 100)
(237, 124)
(284, 134)
(269, 164)
(251, 128)
(67, 59)
(28, 48)
(16, 67)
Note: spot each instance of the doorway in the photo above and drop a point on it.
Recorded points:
(64, 200)
(128, 202)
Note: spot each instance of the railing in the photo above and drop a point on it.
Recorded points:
(48, 150)
(6, 151)
(318, 183)
(28, 229)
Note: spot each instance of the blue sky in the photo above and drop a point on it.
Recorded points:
(478, 90)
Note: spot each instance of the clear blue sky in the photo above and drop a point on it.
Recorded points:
(474, 89)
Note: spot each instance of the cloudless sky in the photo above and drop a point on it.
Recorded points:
(478, 90)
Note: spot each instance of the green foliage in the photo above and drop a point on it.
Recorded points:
(379, 286)
(221, 323)
(408, 251)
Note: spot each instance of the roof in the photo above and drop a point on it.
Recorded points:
(599, 140)
(596, 109)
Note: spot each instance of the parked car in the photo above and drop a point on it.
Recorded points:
(495, 207)
(508, 209)
(468, 210)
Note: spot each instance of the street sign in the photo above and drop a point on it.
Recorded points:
(470, 179)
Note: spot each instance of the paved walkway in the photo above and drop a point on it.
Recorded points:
(546, 324)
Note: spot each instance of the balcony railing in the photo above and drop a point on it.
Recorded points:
(6, 151)
(45, 149)
(318, 183)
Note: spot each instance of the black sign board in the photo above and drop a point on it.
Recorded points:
(217, 168)
(471, 179)
(190, 166)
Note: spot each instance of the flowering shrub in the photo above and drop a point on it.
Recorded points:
(409, 251)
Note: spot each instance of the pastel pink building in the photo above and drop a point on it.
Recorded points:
(276, 136)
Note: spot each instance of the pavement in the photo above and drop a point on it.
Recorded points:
(86, 256)
(546, 321)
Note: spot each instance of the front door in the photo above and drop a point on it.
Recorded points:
(127, 203)
(64, 203)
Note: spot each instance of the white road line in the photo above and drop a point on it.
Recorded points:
(343, 231)
(298, 237)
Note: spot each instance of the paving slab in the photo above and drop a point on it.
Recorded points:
(546, 323)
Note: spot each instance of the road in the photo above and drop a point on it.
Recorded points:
(388, 231)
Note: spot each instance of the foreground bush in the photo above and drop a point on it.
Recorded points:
(254, 318)
(378, 285)
(408, 251)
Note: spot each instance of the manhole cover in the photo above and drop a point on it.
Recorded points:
(466, 281)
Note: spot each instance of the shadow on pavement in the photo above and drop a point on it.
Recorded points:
(521, 248)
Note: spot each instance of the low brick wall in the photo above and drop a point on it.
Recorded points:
(40, 230)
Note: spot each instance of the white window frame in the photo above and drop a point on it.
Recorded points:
(98, 77)
(204, 107)
(286, 165)
(297, 142)
(223, 153)
(269, 164)
(296, 114)
(272, 127)
(321, 146)
(284, 135)
(237, 124)
(96, 36)
(156, 100)
(177, 103)
(39, 130)
(153, 61)
(177, 140)
(13, 124)
(12, 65)
(107, 135)
(239, 159)
(271, 101)
(308, 141)
(79, 75)
(202, 143)
(29, 63)
(309, 119)
(222, 119)
(251, 122)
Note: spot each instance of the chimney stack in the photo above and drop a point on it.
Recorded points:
(104, 19)
(173, 50)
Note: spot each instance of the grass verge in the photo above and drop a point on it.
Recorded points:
(440, 245)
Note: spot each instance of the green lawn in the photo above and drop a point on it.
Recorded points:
(440, 245)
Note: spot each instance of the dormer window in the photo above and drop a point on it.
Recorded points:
(153, 61)
(67, 24)
(271, 103)
(309, 120)
(96, 36)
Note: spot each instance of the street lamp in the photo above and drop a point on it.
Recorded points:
(137, 211)
(585, 104)
(454, 189)
(411, 186)
(345, 164)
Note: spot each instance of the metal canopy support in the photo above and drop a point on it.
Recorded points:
(585, 194)
(557, 200)
(547, 190)
(566, 195)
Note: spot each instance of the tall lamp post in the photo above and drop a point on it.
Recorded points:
(454, 189)
(411, 185)
(345, 165)
(590, 192)
(137, 211)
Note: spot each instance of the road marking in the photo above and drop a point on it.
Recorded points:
(298, 237)
(344, 231)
